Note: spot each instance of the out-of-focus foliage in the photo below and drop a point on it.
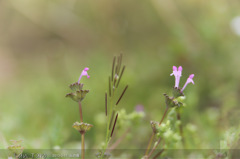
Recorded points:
(44, 45)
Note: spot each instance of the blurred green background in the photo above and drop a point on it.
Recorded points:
(44, 45)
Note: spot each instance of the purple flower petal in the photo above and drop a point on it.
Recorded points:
(177, 72)
(84, 73)
(189, 80)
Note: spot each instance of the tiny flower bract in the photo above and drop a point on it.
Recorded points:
(79, 94)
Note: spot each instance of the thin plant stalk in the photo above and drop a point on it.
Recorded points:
(149, 143)
(119, 63)
(80, 111)
(163, 116)
(114, 125)
(110, 86)
(109, 99)
(180, 128)
(106, 104)
(122, 95)
(154, 148)
(153, 134)
(110, 125)
(82, 133)
(111, 96)
(120, 76)
(113, 146)
(158, 154)
(83, 146)
(113, 65)
(109, 121)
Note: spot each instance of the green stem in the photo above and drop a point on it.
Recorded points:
(158, 154)
(153, 134)
(165, 113)
(149, 144)
(109, 121)
(119, 140)
(108, 124)
(154, 148)
(83, 146)
(80, 111)
(180, 127)
(82, 133)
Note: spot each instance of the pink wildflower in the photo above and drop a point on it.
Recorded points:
(189, 80)
(84, 73)
(177, 72)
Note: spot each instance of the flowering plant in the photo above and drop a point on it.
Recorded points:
(78, 95)
(166, 132)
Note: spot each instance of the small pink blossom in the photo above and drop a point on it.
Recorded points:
(139, 108)
(189, 80)
(177, 72)
(84, 73)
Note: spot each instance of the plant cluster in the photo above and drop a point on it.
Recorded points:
(167, 133)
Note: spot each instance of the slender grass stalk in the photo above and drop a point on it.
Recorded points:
(112, 112)
(110, 125)
(110, 107)
(120, 76)
(106, 103)
(108, 119)
(114, 125)
(122, 95)
(110, 87)
(114, 82)
(119, 63)
(113, 65)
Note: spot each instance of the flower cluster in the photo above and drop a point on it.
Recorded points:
(79, 94)
(177, 91)
(82, 127)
